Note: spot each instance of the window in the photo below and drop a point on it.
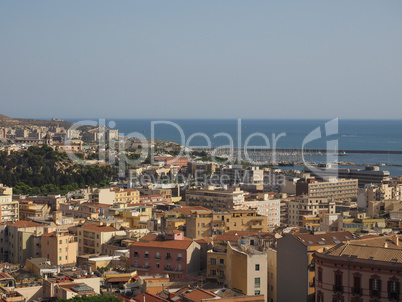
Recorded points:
(157, 255)
(212, 261)
(146, 254)
(212, 272)
(66, 257)
(221, 261)
(97, 236)
(319, 274)
(135, 254)
(179, 257)
(257, 267)
(60, 258)
(66, 240)
(393, 289)
(66, 249)
(256, 292)
(59, 250)
(257, 282)
(375, 286)
(157, 265)
(356, 290)
(338, 287)
(168, 256)
(59, 241)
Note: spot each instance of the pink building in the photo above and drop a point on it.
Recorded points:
(172, 254)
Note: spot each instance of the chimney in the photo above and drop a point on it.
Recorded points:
(395, 239)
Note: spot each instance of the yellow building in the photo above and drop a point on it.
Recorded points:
(205, 223)
(59, 247)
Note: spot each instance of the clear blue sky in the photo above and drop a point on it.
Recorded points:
(201, 59)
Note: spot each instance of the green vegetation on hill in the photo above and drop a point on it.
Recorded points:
(40, 170)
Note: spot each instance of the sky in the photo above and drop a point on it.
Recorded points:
(201, 59)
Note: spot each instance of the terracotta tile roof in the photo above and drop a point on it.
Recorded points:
(151, 237)
(148, 298)
(198, 295)
(24, 224)
(167, 244)
(187, 209)
(374, 253)
(96, 228)
(380, 241)
(329, 238)
(204, 240)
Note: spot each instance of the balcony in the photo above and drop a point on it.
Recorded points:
(393, 296)
(168, 258)
(179, 259)
(167, 269)
(157, 257)
(357, 291)
(136, 256)
(142, 267)
(338, 288)
(375, 293)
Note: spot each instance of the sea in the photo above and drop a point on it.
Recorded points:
(288, 134)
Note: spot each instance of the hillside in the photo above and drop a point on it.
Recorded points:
(41, 171)
(6, 121)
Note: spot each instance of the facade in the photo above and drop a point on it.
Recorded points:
(204, 223)
(269, 208)
(216, 199)
(307, 207)
(91, 237)
(366, 270)
(336, 189)
(30, 209)
(59, 247)
(295, 265)
(24, 239)
(175, 255)
(369, 175)
(9, 211)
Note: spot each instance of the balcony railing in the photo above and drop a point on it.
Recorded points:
(136, 255)
(170, 269)
(168, 258)
(393, 296)
(142, 267)
(357, 291)
(375, 293)
(338, 288)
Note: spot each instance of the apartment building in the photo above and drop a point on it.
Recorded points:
(59, 247)
(114, 195)
(91, 237)
(337, 190)
(9, 209)
(295, 265)
(270, 208)
(204, 223)
(236, 174)
(216, 199)
(239, 260)
(174, 254)
(308, 209)
(30, 209)
(368, 175)
(363, 270)
(24, 238)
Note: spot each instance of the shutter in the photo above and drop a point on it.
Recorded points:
(379, 288)
(371, 284)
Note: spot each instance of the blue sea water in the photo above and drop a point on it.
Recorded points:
(351, 135)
